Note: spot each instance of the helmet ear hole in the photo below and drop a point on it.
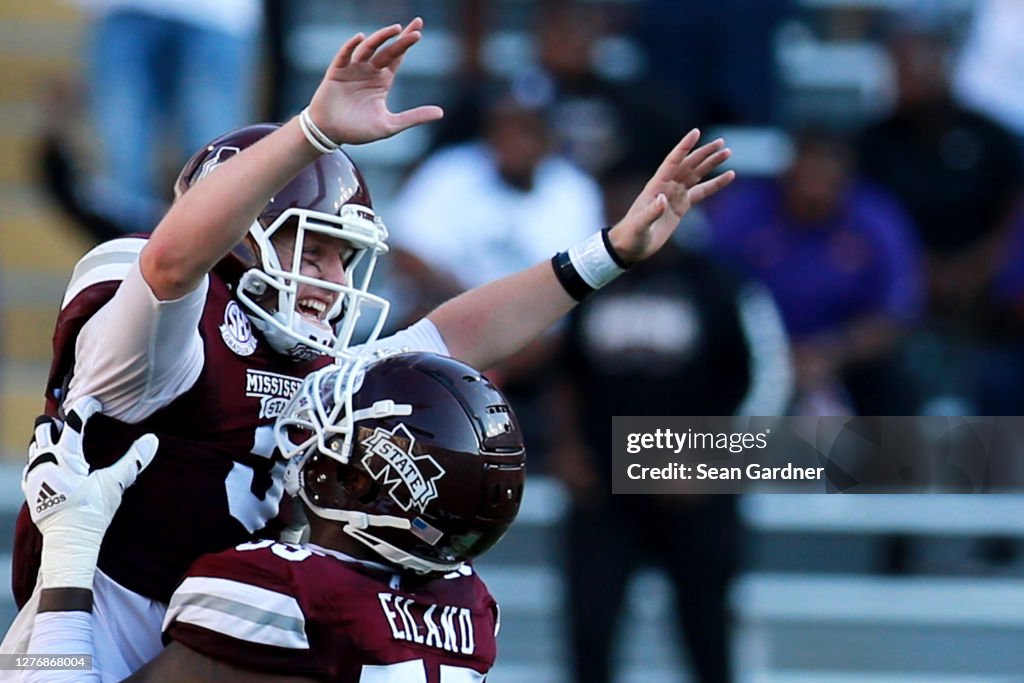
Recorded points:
(372, 493)
(357, 484)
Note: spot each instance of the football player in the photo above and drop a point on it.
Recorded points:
(201, 333)
(409, 468)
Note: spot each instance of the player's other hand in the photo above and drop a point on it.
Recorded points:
(71, 506)
(680, 182)
(350, 105)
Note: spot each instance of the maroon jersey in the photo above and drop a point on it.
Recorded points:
(307, 611)
(216, 480)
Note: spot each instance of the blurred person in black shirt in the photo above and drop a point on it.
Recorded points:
(682, 336)
(958, 172)
(960, 175)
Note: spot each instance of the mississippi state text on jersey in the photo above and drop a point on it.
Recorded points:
(309, 611)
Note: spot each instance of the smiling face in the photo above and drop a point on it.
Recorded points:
(323, 258)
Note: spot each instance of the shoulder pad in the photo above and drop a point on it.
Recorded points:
(105, 262)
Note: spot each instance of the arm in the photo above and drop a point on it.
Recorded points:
(489, 323)
(161, 300)
(178, 663)
(157, 353)
(862, 339)
(72, 507)
(349, 106)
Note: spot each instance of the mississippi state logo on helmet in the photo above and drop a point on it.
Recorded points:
(417, 455)
(328, 197)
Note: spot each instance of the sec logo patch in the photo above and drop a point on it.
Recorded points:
(236, 330)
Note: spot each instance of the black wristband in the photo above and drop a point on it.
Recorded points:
(65, 600)
(611, 250)
(569, 277)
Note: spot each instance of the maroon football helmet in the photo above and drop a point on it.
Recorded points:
(439, 442)
(328, 197)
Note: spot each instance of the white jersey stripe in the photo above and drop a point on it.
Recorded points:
(108, 252)
(110, 271)
(239, 610)
(108, 261)
(237, 627)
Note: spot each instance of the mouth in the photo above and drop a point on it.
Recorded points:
(314, 309)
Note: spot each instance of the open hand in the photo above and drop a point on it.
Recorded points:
(350, 105)
(677, 185)
(71, 506)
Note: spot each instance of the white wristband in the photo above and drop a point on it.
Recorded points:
(594, 262)
(314, 135)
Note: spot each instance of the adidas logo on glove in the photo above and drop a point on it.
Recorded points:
(48, 498)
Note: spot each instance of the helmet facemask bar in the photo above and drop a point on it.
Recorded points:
(322, 407)
(286, 329)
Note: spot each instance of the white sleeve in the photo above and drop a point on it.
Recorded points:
(137, 353)
(57, 634)
(421, 336)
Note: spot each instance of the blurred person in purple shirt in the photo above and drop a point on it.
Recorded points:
(841, 261)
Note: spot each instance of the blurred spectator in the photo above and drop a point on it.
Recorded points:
(485, 209)
(83, 197)
(464, 109)
(841, 262)
(157, 65)
(595, 120)
(720, 56)
(989, 74)
(680, 336)
(959, 174)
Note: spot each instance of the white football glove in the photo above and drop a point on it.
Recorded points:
(71, 506)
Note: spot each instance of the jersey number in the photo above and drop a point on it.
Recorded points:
(286, 551)
(247, 503)
(415, 671)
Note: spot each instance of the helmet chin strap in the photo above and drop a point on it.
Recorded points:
(355, 524)
(289, 345)
(397, 556)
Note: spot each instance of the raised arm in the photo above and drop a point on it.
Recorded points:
(487, 324)
(349, 106)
